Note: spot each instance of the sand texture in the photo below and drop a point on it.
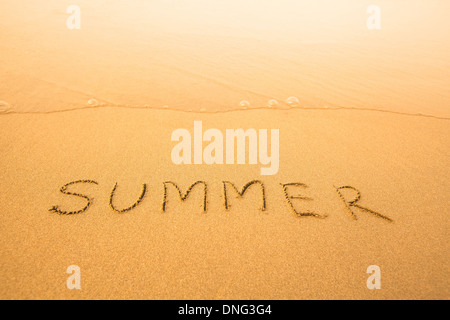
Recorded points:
(90, 112)
(398, 163)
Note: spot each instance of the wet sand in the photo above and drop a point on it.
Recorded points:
(212, 55)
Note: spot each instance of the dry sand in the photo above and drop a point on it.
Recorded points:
(399, 163)
(133, 58)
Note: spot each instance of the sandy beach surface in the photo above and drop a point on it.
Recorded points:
(398, 163)
(367, 109)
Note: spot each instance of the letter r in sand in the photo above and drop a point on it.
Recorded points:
(353, 203)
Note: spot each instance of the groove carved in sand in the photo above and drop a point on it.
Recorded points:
(64, 191)
(184, 197)
(291, 205)
(141, 197)
(348, 204)
(241, 193)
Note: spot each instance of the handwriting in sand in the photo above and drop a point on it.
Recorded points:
(349, 205)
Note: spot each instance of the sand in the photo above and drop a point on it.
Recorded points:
(101, 103)
(399, 163)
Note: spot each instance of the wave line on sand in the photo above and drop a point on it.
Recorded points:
(9, 112)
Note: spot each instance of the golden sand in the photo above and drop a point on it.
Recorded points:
(86, 118)
(398, 163)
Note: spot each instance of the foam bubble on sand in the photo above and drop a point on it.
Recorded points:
(244, 104)
(4, 107)
(293, 101)
(272, 103)
(93, 103)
